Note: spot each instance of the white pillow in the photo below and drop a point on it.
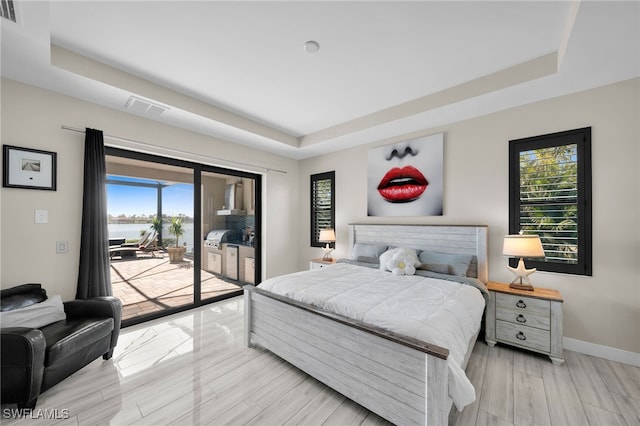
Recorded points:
(35, 316)
(391, 259)
(402, 264)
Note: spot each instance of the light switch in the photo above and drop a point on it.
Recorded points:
(42, 216)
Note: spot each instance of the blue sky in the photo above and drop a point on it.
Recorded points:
(129, 200)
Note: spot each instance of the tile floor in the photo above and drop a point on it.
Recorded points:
(192, 368)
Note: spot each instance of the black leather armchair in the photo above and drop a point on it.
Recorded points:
(35, 359)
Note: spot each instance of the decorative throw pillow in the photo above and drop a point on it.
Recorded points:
(36, 315)
(400, 261)
(386, 257)
(403, 263)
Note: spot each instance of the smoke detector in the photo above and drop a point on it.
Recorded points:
(143, 106)
(311, 46)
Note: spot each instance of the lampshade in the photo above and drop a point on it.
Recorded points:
(522, 246)
(327, 236)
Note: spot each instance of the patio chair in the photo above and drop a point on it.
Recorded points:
(146, 244)
(143, 239)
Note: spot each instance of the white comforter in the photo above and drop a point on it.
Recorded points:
(444, 313)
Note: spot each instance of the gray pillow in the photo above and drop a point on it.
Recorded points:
(367, 259)
(361, 250)
(441, 268)
(445, 263)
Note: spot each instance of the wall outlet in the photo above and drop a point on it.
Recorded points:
(62, 246)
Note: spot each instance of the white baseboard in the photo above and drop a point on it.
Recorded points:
(601, 351)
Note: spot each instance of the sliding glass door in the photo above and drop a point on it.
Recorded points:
(181, 234)
(229, 226)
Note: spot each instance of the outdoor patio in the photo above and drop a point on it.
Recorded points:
(149, 283)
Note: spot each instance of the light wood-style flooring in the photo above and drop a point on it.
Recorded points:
(192, 369)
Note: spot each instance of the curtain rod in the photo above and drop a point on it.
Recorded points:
(175, 151)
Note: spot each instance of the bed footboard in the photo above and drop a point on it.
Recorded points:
(402, 380)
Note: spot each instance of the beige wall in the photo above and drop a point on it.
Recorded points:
(602, 309)
(32, 118)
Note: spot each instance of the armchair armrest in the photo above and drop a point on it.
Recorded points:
(105, 306)
(22, 357)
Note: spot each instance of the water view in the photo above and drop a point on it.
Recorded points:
(133, 202)
(132, 231)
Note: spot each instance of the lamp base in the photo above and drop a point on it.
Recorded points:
(520, 286)
(522, 274)
(327, 253)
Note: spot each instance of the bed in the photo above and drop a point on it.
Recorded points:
(388, 369)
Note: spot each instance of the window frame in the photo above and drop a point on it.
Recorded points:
(314, 231)
(582, 139)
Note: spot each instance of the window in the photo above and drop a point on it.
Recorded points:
(322, 205)
(550, 195)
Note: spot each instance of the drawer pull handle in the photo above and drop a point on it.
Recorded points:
(521, 336)
(521, 304)
(521, 318)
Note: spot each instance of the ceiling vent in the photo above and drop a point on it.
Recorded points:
(143, 106)
(8, 10)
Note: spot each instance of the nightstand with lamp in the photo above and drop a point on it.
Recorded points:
(519, 314)
(326, 236)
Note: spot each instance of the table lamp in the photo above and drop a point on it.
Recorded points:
(522, 246)
(327, 236)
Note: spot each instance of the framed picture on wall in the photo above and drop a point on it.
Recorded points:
(28, 168)
(406, 178)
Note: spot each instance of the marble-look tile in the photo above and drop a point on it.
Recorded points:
(192, 368)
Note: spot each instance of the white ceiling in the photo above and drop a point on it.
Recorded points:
(237, 70)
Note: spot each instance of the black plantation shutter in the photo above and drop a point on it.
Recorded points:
(550, 179)
(322, 205)
(549, 200)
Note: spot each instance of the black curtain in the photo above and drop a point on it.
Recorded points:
(94, 278)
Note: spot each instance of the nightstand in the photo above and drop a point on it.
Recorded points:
(527, 319)
(319, 263)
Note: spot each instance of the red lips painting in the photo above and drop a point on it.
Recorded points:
(406, 178)
(401, 185)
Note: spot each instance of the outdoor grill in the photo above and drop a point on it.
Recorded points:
(216, 237)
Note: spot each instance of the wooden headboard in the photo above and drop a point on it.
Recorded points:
(453, 239)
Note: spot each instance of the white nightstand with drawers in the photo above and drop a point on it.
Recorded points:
(320, 263)
(528, 319)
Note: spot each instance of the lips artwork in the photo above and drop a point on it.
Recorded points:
(401, 185)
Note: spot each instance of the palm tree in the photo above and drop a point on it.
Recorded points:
(176, 228)
(156, 224)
